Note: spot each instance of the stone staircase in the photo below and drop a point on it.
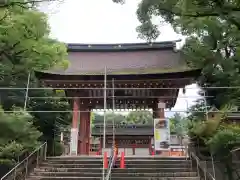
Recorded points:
(145, 168)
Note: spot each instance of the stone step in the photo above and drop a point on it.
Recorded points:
(127, 161)
(114, 174)
(74, 157)
(73, 165)
(114, 178)
(180, 163)
(137, 168)
(128, 165)
(127, 157)
(155, 157)
(115, 170)
(92, 161)
(155, 165)
(156, 162)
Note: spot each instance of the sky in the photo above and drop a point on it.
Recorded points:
(102, 21)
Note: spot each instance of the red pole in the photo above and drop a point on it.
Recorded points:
(105, 160)
(153, 152)
(122, 161)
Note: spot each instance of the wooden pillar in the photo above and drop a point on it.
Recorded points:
(83, 131)
(74, 129)
(87, 134)
(150, 149)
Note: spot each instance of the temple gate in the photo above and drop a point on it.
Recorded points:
(146, 76)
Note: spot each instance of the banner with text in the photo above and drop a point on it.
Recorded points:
(161, 134)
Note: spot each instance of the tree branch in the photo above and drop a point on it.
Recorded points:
(206, 13)
(226, 14)
(7, 48)
(4, 16)
(18, 3)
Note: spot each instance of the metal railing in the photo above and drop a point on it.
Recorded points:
(114, 153)
(201, 167)
(22, 169)
(109, 170)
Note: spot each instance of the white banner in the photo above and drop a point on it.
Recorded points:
(74, 141)
(161, 134)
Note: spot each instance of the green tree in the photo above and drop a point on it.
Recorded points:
(92, 119)
(139, 117)
(178, 125)
(25, 48)
(174, 10)
(198, 110)
(134, 117)
(219, 140)
(212, 30)
(17, 134)
(118, 118)
(51, 114)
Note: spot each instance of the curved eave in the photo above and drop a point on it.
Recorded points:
(76, 47)
(170, 75)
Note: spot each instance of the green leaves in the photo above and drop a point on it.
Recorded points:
(148, 31)
(18, 126)
(11, 151)
(26, 47)
(213, 39)
(24, 39)
(188, 15)
(178, 125)
(222, 142)
(142, 117)
(17, 134)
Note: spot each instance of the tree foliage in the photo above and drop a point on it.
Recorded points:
(212, 29)
(178, 125)
(25, 48)
(182, 11)
(17, 134)
(142, 117)
(24, 40)
(218, 138)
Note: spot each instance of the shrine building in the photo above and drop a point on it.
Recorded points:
(133, 139)
(138, 76)
(127, 137)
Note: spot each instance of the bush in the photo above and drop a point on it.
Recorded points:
(11, 151)
(56, 149)
(17, 136)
